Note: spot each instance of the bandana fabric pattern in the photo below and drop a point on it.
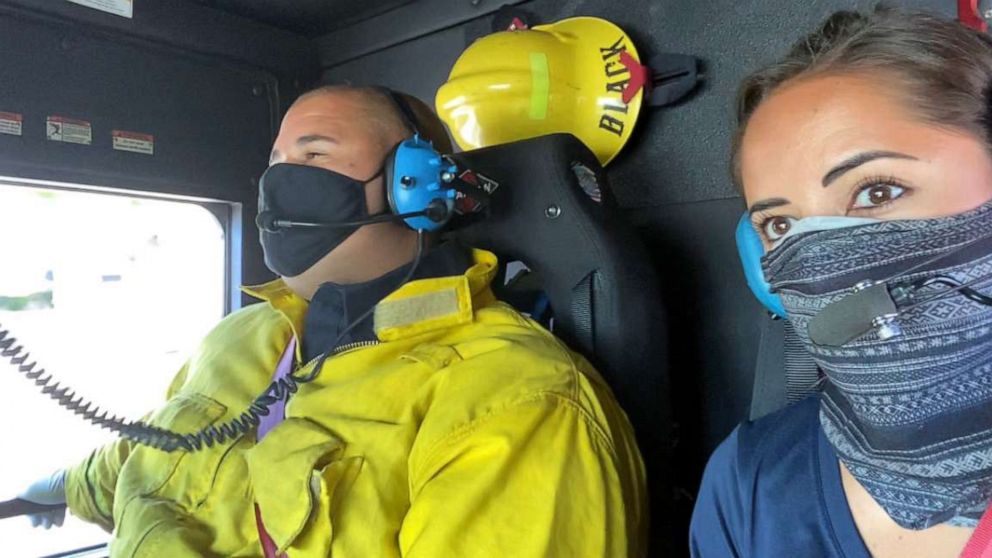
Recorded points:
(911, 415)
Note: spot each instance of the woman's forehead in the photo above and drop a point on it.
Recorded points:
(805, 127)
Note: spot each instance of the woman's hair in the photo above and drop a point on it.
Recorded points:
(940, 68)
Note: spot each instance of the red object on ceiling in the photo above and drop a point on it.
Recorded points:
(968, 15)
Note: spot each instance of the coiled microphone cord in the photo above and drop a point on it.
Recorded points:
(168, 440)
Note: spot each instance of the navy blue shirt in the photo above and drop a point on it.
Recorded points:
(333, 307)
(773, 488)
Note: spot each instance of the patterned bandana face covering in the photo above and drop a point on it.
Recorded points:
(909, 415)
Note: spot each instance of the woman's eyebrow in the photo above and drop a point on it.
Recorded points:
(767, 204)
(860, 159)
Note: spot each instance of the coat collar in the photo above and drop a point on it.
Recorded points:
(414, 308)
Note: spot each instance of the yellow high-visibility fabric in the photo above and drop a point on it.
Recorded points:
(471, 432)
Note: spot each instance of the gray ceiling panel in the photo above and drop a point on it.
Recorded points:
(307, 17)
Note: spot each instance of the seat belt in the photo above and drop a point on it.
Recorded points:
(583, 310)
(768, 393)
(277, 412)
(784, 371)
(802, 375)
(980, 543)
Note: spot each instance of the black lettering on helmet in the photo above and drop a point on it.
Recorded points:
(621, 108)
(617, 80)
(612, 70)
(617, 86)
(613, 50)
(611, 124)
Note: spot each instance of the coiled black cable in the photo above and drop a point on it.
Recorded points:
(164, 439)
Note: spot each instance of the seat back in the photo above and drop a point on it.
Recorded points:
(555, 212)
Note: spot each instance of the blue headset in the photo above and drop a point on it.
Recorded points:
(418, 178)
(751, 250)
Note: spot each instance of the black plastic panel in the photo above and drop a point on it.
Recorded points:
(417, 67)
(184, 25)
(407, 23)
(711, 314)
(309, 17)
(213, 121)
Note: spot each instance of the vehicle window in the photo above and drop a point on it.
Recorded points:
(110, 293)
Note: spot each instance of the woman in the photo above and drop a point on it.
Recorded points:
(878, 126)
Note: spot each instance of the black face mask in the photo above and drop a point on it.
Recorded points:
(303, 193)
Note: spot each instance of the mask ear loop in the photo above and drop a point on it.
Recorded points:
(385, 215)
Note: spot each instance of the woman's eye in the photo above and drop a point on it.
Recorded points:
(312, 155)
(777, 227)
(877, 195)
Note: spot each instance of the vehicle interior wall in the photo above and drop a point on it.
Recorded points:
(211, 78)
(208, 86)
(672, 178)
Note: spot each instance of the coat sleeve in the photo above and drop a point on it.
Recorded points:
(719, 520)
(537, 478)
(90, 485)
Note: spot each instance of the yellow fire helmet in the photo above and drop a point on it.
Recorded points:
(580, 76)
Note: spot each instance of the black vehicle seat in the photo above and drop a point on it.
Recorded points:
(554, 211)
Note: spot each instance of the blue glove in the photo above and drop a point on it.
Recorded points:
(47, 491)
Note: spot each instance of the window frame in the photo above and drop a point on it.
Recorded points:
(229, 215)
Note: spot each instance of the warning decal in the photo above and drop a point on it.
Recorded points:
(134, 142)
(123, 8)
(69, 130)
(11, 123)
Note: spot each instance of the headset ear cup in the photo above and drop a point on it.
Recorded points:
(415, 184)
(389, 179)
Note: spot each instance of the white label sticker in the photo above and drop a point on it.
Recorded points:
(134, 142)
(11, 123)
(123, 8)
(69, 130)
